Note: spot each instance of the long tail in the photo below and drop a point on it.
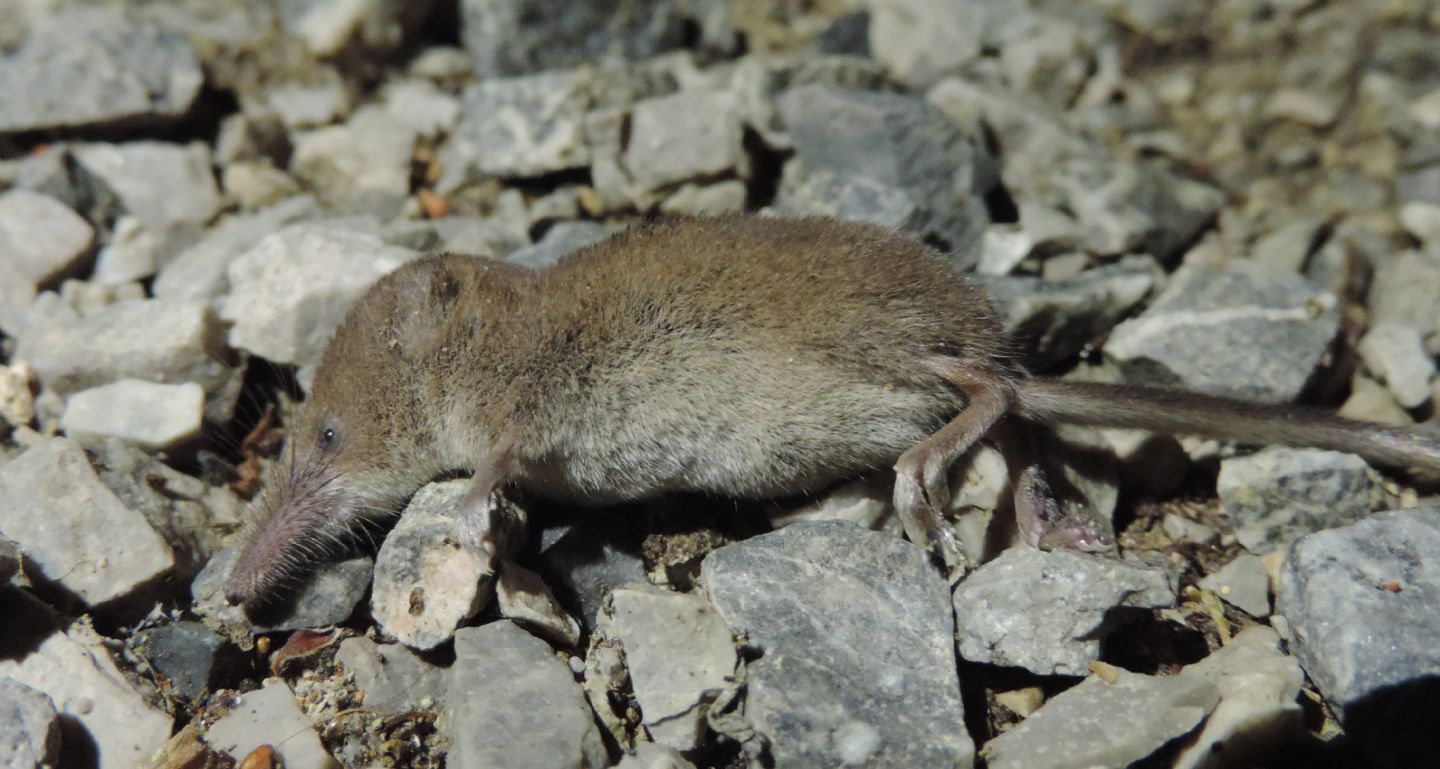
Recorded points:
(1159, 410)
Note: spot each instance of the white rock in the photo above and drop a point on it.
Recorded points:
(1258, 685)
(523, 596)
(76, 671)
(159, 184)
(863, 502)
(270, 716)
(294, 287)
(918, 41)
(681, 657)
(74, 530)
(362, 165)
(648, 755)
(1243, 582)
(154, 416)
(684, 136)
(29, 728)
(1397, 354)
(309, 105)
(40, 237)
(420, 104)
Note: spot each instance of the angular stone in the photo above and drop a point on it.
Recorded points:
(512, 702)
(9, 559)
(185, 653)
(1403, 291)
(1257, 713)
(421, 105)
(855, 198)
(159, 184)
(648, 755)
(91, 68)
(328, 596)
(583, 563)
(1257, 337)
(199, 272)
(261, 716)
(515, 37)
(294, 287)
(1274, 496)
(321, 100)
(1244, 583)
(522, 596)
(681, 657)
(689, 135)
(1077, 729)
(902, 143)
(1397, 354)
(520, 127)
(919, 41)
(73, 529)
(29, 728)
(154, 416)
(393, 678)
(426, 581)
(857, 663)
(110, 720)
(559, 240)
(1362, 603)
(344, 27)
(41, 238)
(362, 166)
(1048, 612)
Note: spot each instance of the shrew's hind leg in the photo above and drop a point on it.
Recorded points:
(1039, 517)
(922, 487)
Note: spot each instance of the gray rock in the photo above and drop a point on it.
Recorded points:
(857, 664)
(1055, 319)
(724, 197)
(258, 717)
(1422, 220)
(426, 581)
(421, 105)
(199, 272)
(648, 755)
(113, 723)
(393, 678)
(257, 183)
(512, 702)
(1290, 245)
(88, 68)
(584, 563)
(1078, 728)
(335, 27)
(73, 530)
(855, 198)
(918, 41)
(135, 252)
(1403, 291)
(29, 728)
(515, 37)
(1258, 336)
(9, 559)
(559, 240)
(51, 171)
(520, 127)
(902, 143)
(1258, 712)
(680, 655)
(1049, 611)
(1274, 496)
(321, 100)
(1361, 602)
(1397, 354)
(482, 237)
(362, 166)
(1244, 582)
(521, 595)
(185, 653)
(154, 416)
(863, 502)
(159, 184)
(41, 238)
(294, 287)
(156, 340)
(327, 596)
(688, 135)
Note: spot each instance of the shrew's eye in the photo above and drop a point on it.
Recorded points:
(327, 438)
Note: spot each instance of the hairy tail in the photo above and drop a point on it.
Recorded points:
(1159, 410)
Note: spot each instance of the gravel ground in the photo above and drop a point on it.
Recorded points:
(1239, 197)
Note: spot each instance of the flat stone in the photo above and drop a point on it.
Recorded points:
(107, 718)
(1397, 355)
(522, 596)
(1257, 712)
(561, 239)
(1403, 291)
(327, 596)
(42, 239)
(863, 502)
(585, 562)
(1257, 337)
(185, 653)
(294, 287)
(857, 664)
(724, 197)
(1244, 583)
(260, 718)
(681, 657)
(520, 127)
(29, 727)
(648, 755)
(421, 105)
(512, 702)
(919, 41)
(362, 166)
(257, 184)
(158, 183)
(1422, 220)
(688, 135)
(842, 196)
(1048, 612)
(199, 272)
(135, 252)
(1274, 496)
(73, 529)
(514, 37)
(155, 416)
(321, 101)
(393, 678)
(92, 68)
(426, 581)
(1078, 728)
